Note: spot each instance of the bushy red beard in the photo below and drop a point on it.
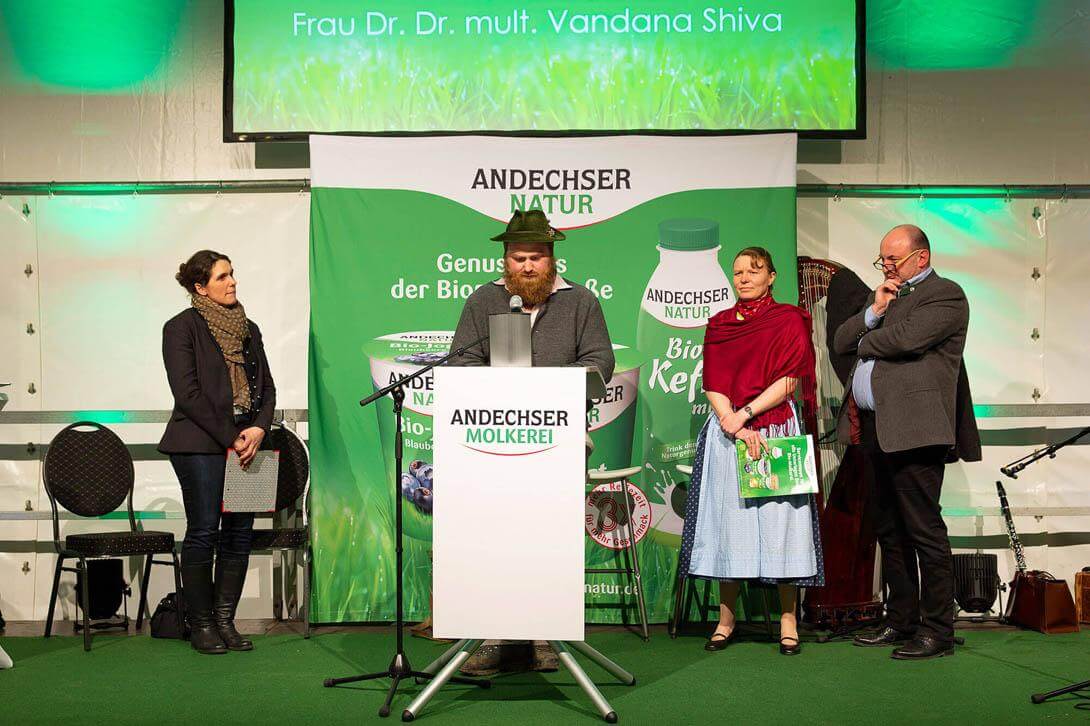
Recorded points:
(533, 290)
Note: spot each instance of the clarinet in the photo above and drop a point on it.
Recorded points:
(1016, 544)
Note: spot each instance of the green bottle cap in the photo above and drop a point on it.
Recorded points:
(689, 234)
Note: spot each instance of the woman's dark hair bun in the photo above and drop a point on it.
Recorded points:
(197, 270)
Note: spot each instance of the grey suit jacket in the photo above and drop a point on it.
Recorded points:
(918, 349)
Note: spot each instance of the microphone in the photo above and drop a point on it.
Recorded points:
(516, 303)
(1009, 471)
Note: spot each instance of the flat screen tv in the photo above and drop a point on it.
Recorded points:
(541, 67)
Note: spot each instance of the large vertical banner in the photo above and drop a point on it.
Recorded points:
(400, 232)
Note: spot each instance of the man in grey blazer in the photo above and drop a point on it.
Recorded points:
(902, 404)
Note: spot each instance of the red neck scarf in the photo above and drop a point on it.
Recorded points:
(749, 309)
(744, 357)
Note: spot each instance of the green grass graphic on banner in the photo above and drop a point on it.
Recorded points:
(398, 265)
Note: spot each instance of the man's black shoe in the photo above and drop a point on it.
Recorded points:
(923, 647)
(885, 636)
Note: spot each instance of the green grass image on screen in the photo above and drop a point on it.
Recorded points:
(802, 79)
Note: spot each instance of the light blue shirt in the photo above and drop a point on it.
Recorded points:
(862, 390)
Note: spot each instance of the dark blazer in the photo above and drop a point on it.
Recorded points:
(918, 348)
(203, 421)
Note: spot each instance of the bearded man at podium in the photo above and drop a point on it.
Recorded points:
(567, 329)
(567, 324)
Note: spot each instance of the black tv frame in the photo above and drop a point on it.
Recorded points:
(230, 135)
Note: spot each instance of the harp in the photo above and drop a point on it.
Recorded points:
(848, 597)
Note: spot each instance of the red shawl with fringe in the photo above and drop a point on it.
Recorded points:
(744, 357)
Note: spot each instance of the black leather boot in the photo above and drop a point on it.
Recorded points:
(197, 589)
(230, 574)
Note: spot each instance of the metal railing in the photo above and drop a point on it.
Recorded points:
(963, 191)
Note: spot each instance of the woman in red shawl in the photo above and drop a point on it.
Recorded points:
(755, 356)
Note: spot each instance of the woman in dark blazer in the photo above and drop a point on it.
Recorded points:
(223, 399)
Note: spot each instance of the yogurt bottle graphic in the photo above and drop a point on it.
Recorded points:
(396, 356)
(686, 289)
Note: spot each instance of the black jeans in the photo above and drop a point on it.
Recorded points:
(904, 510)
(207, 527)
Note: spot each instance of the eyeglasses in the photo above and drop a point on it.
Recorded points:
(895, 264)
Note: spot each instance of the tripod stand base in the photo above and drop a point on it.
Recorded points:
(443, 668)
(399, 671)
(847, 632)
(1042, 697)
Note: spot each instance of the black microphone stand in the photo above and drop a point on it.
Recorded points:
(399, 668)
(1012, 470)
(1014, 467)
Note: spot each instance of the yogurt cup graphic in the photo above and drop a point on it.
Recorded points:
(611, 420)
(391, 358)
(611, 423)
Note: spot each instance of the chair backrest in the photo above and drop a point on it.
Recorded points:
(87, 470)
(294, 473)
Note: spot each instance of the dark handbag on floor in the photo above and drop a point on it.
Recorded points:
(1041, 602)
(168, 620)
(107, 589)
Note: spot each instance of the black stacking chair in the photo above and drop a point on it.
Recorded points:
(88, 471)
(292, 510)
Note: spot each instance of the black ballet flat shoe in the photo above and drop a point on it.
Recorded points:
(718, 641)
(786, 649)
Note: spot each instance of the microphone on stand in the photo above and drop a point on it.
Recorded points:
(509, 336)
(1008, 471)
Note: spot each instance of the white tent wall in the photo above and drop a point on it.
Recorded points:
(20, 364)
(958, 93)
(101, 287)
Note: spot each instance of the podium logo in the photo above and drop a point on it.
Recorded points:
(508, 431)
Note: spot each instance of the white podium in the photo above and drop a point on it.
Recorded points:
(507, 528)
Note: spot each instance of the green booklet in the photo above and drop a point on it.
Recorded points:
(786, 468)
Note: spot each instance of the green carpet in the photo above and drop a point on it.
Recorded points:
(140, 680)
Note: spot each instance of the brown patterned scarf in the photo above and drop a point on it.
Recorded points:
(230, 328)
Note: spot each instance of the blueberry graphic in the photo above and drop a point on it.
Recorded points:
(417, 485)
(419, 359)
(408, 484)
(422, 499)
